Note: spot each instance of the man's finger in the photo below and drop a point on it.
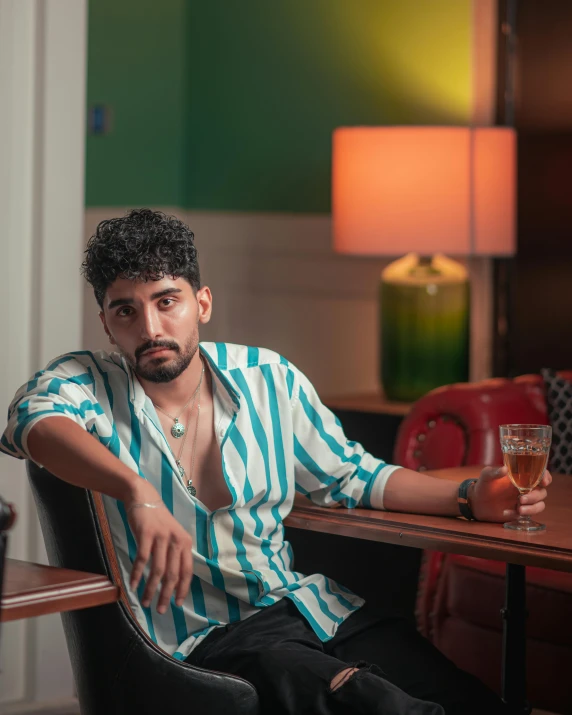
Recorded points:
(185, 577)
(531, 509)
(143, 555)
(159, 556)
(490, 473)
(170, 577)
(546, 479)
(534, 496)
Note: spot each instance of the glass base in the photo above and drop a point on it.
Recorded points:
(524, 525)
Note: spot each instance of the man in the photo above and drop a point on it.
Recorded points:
(198, 450)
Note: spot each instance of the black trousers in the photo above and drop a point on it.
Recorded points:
(399, 671)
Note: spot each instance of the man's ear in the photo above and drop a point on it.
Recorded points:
(205, 301)
(102, 318)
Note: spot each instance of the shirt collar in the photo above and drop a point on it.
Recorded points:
(217, 373)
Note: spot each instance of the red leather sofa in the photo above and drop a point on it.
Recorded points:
(460, 598)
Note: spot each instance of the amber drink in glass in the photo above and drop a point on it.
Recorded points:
(525, 450)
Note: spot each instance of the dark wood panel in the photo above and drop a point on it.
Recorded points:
(542, 334)
(534, 79)
(544, 64)
(34, 590)
(544, 195)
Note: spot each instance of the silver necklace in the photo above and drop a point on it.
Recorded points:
(190, 488)
(177, 459)
(189, 485)
(178, 429)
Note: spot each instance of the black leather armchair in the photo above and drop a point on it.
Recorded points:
(118, 670)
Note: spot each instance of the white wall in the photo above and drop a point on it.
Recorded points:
(277, 283)
(42, 94)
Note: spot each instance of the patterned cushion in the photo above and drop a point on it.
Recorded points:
(559, 405)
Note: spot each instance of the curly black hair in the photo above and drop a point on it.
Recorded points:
(142, 245)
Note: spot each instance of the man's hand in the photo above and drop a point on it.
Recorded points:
(70, 452)
(494, 498)
(161, 538)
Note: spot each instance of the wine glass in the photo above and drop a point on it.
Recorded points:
(525, 450)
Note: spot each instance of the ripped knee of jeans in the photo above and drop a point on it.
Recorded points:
(351, 672)
(342, 678)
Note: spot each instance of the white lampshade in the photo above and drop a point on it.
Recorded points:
(397, 190)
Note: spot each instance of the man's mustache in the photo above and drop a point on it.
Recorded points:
(153, 344)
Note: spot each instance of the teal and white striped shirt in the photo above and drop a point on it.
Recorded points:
(275, 438)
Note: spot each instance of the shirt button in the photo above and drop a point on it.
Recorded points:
(221, 433)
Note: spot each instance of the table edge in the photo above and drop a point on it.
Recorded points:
(59, 600)
(84, 589)
(344, 523)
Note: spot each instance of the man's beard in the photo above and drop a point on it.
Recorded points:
(162, 369)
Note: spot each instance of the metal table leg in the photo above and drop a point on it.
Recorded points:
(514, 641)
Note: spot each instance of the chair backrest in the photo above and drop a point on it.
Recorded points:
(117, 668)
(458, 424)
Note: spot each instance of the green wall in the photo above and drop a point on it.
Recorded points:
(137, 65)
(228, 105)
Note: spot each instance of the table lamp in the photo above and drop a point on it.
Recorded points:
(418, 193)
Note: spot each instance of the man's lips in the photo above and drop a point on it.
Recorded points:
(155, 351)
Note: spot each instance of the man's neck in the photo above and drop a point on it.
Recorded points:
(172, 396)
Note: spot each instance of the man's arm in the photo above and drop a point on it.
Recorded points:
(409, 491)
(72, 454)
(331, 470)
(492, 497)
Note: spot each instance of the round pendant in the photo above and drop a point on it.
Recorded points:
(190, 488)
(177, 430)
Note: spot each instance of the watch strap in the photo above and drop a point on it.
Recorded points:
(463, 499)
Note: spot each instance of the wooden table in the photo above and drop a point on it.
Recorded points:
(550, 549)
(34, 590)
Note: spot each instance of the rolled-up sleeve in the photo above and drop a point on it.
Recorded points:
(330, 469)
(66, 388)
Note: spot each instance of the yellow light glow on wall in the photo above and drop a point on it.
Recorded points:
(421, 49)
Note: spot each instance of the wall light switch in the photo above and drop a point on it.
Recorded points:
(99, 119)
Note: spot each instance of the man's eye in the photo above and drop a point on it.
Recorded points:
(124, 312)
(167, 302)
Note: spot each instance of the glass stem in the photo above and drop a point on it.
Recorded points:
(522, 518)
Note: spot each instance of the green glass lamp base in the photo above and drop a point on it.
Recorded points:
(424, 328)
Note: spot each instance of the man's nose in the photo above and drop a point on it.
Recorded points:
(150, 325)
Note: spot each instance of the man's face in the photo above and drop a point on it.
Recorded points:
(155, 325)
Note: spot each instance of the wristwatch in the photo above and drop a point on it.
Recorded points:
(463, 499)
